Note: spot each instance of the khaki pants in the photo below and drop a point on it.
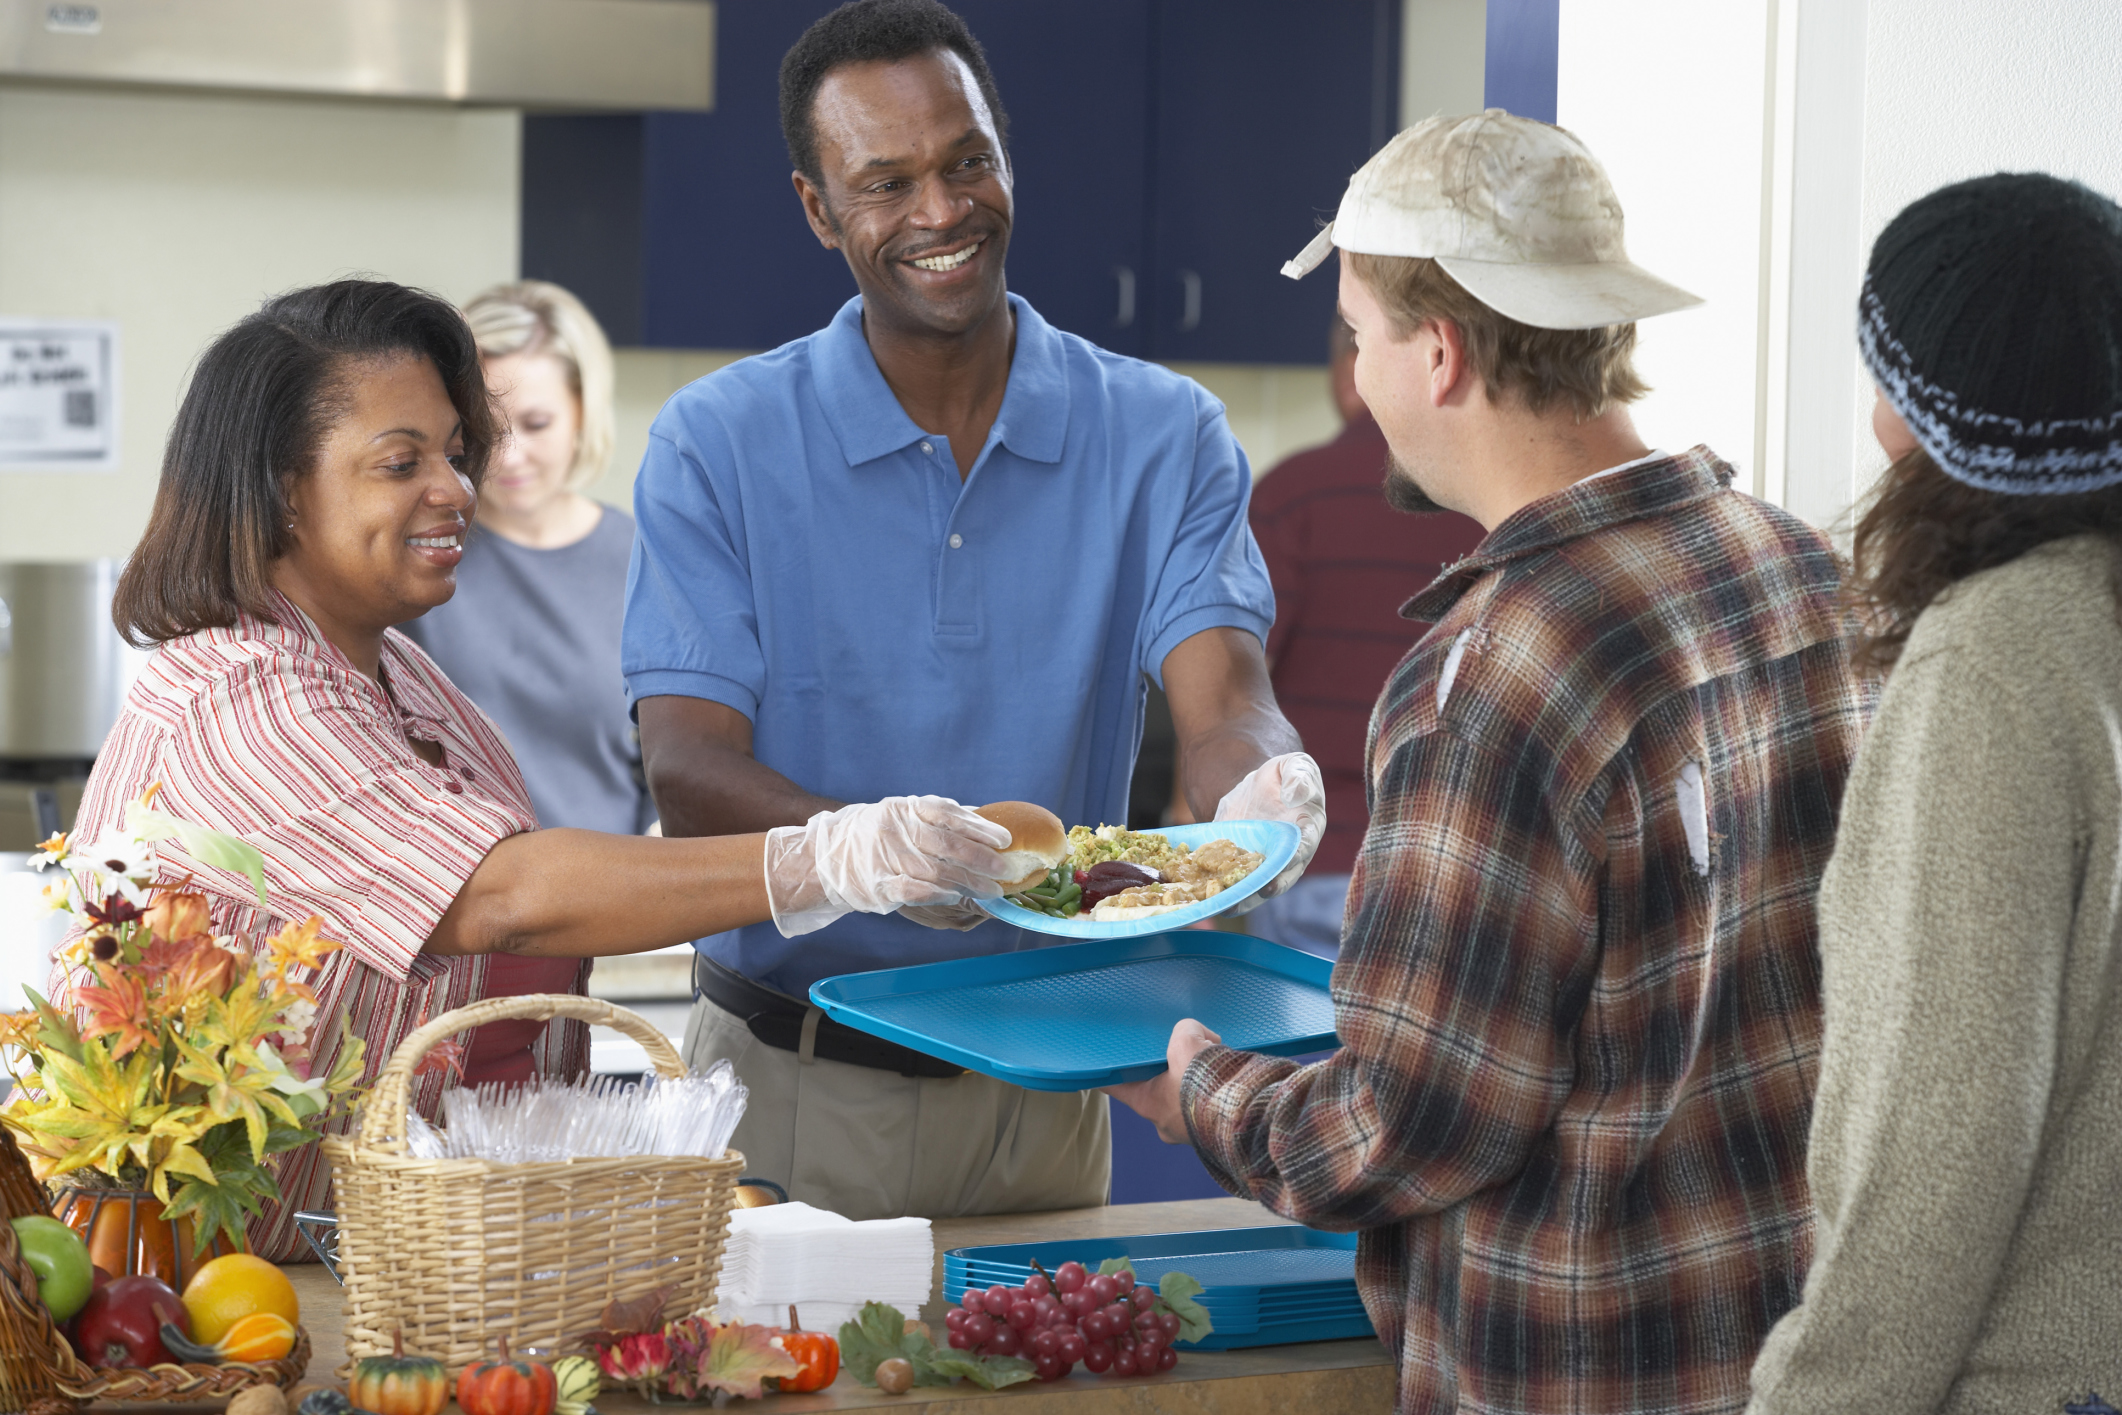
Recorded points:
(875, 1144)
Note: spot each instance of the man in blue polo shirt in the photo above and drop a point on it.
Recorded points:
(932, 548)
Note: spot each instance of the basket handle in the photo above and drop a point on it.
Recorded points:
(383, 1115)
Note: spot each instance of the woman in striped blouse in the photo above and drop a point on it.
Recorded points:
(316, 488)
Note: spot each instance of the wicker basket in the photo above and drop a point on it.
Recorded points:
(456, 1253)
(38, 1369)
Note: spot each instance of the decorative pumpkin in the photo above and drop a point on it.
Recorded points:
(817, 1353)
(399, 1384)
(506, 1387)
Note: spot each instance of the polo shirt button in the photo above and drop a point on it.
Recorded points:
(929, 448)
(453, 786)
(467, 773)
(956, 541)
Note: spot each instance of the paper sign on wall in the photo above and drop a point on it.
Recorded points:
(58, 394)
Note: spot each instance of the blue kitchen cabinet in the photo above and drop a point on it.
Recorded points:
(1075, 77)
(1169, 155)
(1264, 109)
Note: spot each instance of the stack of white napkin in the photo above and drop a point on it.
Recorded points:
(826, 1264)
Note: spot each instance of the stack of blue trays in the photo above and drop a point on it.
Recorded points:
(1262, 1286)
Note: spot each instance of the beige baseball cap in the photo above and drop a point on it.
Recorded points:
(1517, 211)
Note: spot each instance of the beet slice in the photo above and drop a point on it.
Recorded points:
(1109, 877)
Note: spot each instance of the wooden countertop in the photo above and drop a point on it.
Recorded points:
(1318, 1378)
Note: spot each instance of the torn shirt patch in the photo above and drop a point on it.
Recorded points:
(1692, 797)
(1451, 668)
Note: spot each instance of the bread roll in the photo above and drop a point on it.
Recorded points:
(1037, 841)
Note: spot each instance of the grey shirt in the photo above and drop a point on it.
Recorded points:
(532, 637)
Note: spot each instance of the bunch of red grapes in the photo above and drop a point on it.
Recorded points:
(1103, 1320)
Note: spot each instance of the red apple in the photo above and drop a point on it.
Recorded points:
(122, 1323)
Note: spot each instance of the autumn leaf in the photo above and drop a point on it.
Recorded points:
(181, 1159)
(101, 1103)
(58, 1034)
(118, 1009)
(878, 1333)
(347, 1069)
(739, 1356)
(630, 1318)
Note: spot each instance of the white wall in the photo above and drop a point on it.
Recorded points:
(1670, 96)
(1443, 53)
(1760, 145)
(176, 214)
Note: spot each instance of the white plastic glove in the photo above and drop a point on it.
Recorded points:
(875, 858)
(1284, 788)
(960, 916)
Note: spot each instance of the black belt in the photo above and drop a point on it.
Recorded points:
(781, 1021)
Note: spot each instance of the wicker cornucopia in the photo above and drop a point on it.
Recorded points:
(454, 1253)
(39, 1371)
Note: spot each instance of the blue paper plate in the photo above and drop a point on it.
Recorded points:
(1275, 839)
(1080, 1015)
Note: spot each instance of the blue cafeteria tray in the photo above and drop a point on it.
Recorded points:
(1275, 839)
(1081, 1015)
(1261, 1286)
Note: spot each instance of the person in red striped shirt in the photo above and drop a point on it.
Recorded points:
(315, 491)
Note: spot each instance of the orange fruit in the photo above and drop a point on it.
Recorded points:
(232, 1287)
(261, 1336)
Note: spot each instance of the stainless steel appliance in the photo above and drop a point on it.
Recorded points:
(627, 55)
(64, 673)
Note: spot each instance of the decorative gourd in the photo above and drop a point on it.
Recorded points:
(325, 1400)
(578, 1383)
(261, 1336)
(506, 1387)
(817, 1353)
(399, 1384)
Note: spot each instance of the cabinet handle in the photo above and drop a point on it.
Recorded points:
(1190, 319)
(44, 812)
(1125, 315)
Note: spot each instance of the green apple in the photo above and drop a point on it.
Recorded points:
(56, 1254)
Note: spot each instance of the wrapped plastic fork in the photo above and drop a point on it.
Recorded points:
(543, 1121)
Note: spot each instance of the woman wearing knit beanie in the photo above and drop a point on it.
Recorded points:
(1966, 1162)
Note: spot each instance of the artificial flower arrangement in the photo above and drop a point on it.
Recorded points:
(692, 1358)
(184, 1062)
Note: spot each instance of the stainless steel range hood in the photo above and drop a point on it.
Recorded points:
(567, 54)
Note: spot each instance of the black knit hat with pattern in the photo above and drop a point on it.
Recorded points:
(1991, 319)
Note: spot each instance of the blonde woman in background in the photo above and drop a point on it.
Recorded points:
(532, 635)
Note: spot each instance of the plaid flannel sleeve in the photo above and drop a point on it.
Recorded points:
(1473, 938)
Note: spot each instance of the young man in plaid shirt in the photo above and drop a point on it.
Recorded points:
(1577, 994)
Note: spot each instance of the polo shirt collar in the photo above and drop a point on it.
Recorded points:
(1630, 493)
(868, 422)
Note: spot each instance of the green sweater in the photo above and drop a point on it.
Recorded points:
(1966, 1161)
